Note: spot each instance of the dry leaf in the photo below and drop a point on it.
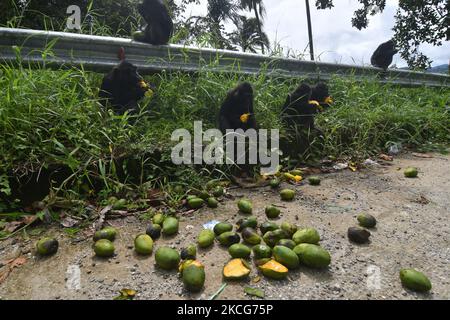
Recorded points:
(422, 155)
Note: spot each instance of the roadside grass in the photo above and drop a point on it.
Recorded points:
(51, 120)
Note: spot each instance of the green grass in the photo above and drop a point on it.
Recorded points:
(51, 119)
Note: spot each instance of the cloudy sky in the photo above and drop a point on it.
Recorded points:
(335, 40)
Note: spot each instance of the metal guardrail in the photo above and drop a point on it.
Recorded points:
(99, 54)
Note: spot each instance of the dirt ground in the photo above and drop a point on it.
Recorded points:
(413, 230)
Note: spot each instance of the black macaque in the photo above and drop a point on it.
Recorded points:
(159, 23)
(382, 57)
(298, 116)
(236, 111)
(320, 93)
(123, 88)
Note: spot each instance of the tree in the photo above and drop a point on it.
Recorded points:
(416, 22)
(258, 8)
(247, 35)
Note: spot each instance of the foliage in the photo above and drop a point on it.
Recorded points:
(417, 22)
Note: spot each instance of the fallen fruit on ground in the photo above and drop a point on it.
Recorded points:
(274, 183)
(250, 236)
(366, 220)
(239, 250)
(153, 230)
(287, 243)
(287, 194)
(272, 212)
(289, 228)
(261, 251)
(143, 244)
(205, 238)
(236, 269)
(245, 206)
(296, 172)
(228, 238)
(249, 222)
(254, 292)
(190, 252)
(222, 227)
(158, 219)
(212, 202)
(170, 226)
(195, 203)
(314, 181)
(193, 277)
(274, 270)
(218, 191)
(358, 234)
(312, 255)
(104, 248)
(204, 195)
(184, 264)
(47, 246)
(167, 258)
(268, 226)
(108, 233)
(415, 280)
(260, 262)
(286, 257)
(307, 235)
(411, 172)
(271, 238)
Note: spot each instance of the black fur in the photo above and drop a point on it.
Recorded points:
(237, 102)
(159, 23)
(297, 111)
(121, 88)
(320, 93)
(382, 57)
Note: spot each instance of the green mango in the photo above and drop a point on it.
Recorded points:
(212, 202)
(228, 238)
(358, 234)
(218, 191)
(167, 258)
(47, 246)
(289, 228)
(286, 257)
(314, 181)
(312, 255)
(272, 212)
(271, 238)
(249, 222)
(104, 248)
(287, 243)
(238, 250)
(143, 244)
(366, 220)
(250, 236)
(308, 235)
(205, 238)
(274, 183)
(194, 278)
(203, 195)
(119, 204)
(170, 226)
(195, 203)
(222, 227)
(261, 251)
(411, 172)
(245, 206)
(415, 280)
(189, 253)
(287, 194)
(158, 219)
(108, 233)
(268, 226)
(153, 230)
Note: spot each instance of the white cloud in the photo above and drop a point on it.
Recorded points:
(335, 40)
